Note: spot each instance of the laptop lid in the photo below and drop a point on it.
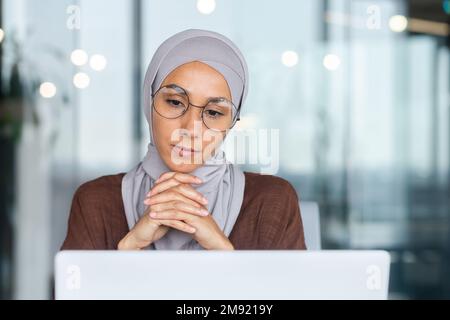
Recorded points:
(240, 274)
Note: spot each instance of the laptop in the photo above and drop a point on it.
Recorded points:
(222, 275)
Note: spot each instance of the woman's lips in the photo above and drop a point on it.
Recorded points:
(184, 151)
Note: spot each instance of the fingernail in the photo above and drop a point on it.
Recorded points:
(204, 212)
(153, 214)
(198, 180)
(205, 200)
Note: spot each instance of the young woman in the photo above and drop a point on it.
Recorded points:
(184, 195)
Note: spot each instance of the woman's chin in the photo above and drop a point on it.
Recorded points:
(183, 167)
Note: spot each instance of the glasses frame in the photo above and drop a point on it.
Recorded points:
(236, 118)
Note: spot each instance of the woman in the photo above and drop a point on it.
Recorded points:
(184, 195)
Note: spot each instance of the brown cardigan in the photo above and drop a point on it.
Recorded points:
(269, 217)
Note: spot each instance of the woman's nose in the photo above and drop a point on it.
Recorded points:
(192, 119)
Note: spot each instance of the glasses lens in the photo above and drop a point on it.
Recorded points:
(170, 102)
(219, 114)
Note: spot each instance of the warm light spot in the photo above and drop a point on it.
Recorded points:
(98, 62)
(398, 23)
(331, 62)
(206, 6)
(81, 80)
(289, 58)
(79, 57)
(47, 90)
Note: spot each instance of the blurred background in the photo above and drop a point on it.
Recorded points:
(359, 90)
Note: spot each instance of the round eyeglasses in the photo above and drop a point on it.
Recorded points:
(172, 101)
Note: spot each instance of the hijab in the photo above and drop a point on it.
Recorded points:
(223, 183)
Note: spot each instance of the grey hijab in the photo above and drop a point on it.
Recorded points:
(223, 183)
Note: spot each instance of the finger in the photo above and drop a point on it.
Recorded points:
(171, 179)
(189, 192)
(169, 196)
(181, 206)
(172, 194)
(165, 176)
(172, 215)
(181, 177)
(179, 225)
(162, 186)
(186, 178)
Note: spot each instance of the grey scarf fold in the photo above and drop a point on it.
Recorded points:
(223, 183)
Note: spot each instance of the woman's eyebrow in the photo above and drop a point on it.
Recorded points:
(187, 91)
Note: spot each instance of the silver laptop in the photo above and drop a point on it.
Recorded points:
(211, 275)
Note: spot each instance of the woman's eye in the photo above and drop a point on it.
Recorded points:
(175, 103)
(213, 113)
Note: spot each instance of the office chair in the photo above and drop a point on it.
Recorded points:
(311, 224)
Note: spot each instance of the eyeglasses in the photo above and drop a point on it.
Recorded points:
(172, 101)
